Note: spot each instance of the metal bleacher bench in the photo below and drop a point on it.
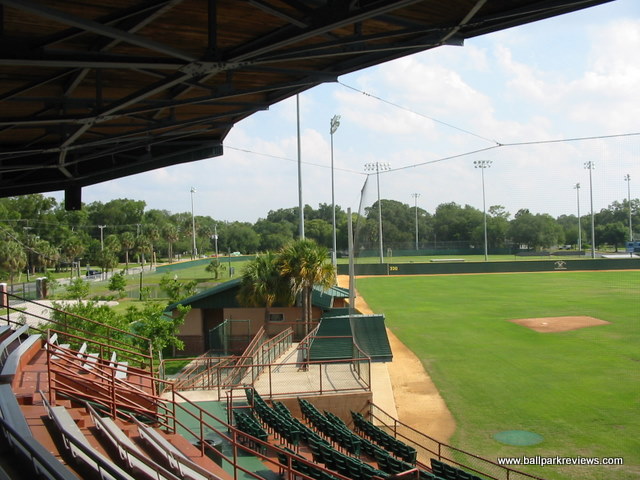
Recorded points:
(78, 445)
(120, 367)
(4, 345)
(178, 461)
(10, 366)
(19, 436)
(55, 349)
(128, 450)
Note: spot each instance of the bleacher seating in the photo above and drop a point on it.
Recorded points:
(448, 472)
(120, 367)
(129, 453)
(12, 361)
(178, 462)
(8, 341)
(18, 436)
(79, 447)
(384, 439)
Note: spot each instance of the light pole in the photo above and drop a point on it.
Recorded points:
(101, 227)
(577, 189)
(215, 238)
(194, 251)
(415, 197)
(300, 203)
(590, 166)
(482, 164)
(378, 166)
(627, 178)
(335, 123)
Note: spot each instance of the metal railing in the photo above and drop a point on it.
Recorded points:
(43, 463)
(41, 318)
(428, 447)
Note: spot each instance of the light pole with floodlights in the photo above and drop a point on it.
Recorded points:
(627, 178)
(577, 189)
(335, 123)
(377, 167)
(590, 166)
(415, 197)
(482, 164)
(194, 251)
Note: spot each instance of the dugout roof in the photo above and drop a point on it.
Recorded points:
(93, 90)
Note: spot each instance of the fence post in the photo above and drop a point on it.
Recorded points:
(4, 299)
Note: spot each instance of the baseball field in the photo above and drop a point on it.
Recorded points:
(550, 356)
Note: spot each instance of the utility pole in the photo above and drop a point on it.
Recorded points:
(101, 227)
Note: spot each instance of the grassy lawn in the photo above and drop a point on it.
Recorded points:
(578, 389)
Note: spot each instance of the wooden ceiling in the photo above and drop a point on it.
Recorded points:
(95, 90)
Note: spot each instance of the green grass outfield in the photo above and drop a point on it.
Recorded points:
(579, 389)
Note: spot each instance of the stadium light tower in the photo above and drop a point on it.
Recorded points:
(194, 251)
(415, 197)
(627, 178)
(335, 123)
(577, 189)
(377, 167)
(590, 166)
(482, 164)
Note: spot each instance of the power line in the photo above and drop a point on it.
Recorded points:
(406, 109)
(514, 144)
(244, 150)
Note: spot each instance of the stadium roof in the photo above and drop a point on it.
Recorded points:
(96, 90)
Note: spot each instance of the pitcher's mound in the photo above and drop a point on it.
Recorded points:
(559, 324)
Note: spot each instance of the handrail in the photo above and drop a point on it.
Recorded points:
(248, 352)
(79, 331)
(202, 377)
(106, 388)
(42, 461)
(101, 462)
(131, 453)
(305, 345)
(138, 357)
(440, 445)
(255, 350)
(269, 349)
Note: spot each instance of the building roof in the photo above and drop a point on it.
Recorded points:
(96, 90)
(323, 297)
(220, 296)
(224, 296)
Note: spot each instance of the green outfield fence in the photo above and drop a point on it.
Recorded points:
(443, 267)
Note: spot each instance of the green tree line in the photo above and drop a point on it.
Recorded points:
(36, 232)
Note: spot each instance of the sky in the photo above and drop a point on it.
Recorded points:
(428, 117)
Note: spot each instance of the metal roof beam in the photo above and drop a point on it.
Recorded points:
(270, 9)
(95, 27)
(284, 37)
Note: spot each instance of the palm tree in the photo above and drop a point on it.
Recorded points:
(262, 284)
(171, 234)
(305, 264)
(143, 247)
(12, 257)
(72, 249)
(153, 234)
(127, 242)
